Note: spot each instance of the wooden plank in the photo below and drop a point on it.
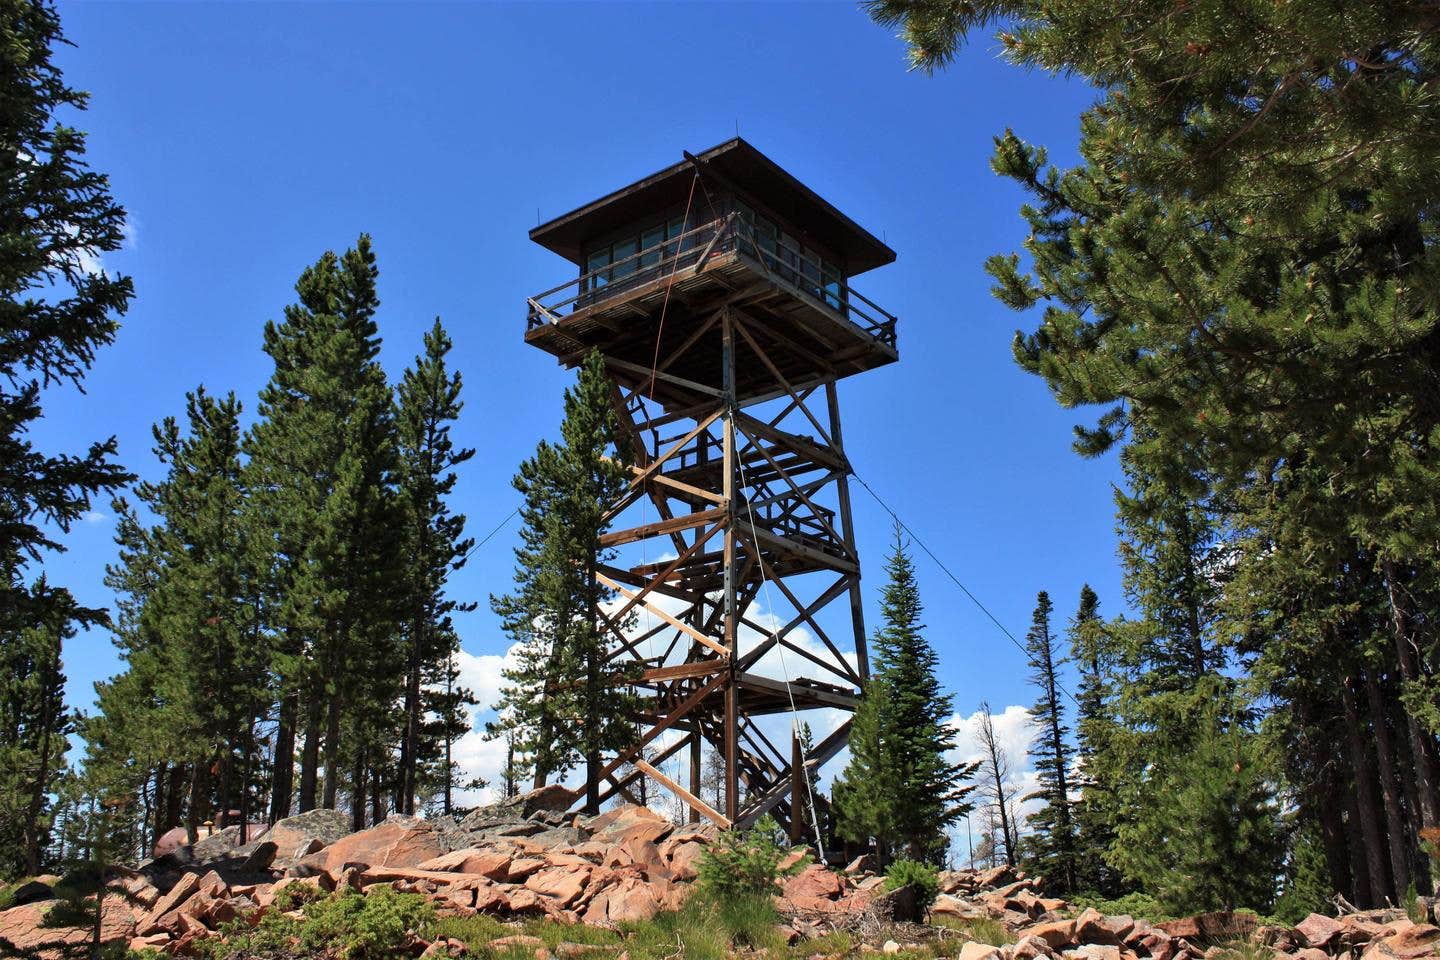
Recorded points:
(670, 719)
(645, 531)
(694, 802)
(694, 634)
(685, 671)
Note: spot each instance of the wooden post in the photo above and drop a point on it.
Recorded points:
(731, 718)
(695, 770)
(847, 530)
(797, 785)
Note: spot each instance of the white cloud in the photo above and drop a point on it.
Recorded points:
(94, 516)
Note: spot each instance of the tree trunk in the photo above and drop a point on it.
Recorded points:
(1389, 785)
(282, 764)
(1422, 745)
(310, 756)
(1366, 807)
(332, 754)
(357, 790)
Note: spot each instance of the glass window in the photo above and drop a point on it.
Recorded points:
(595, 268)
(622, 250)
(650, 241)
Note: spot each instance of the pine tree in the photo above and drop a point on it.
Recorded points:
(899, 786)
(58, 310)
(1050, 847)
(1094, 809)
(428, 400)
(1240, 273)
(322, 475)
(567, 700)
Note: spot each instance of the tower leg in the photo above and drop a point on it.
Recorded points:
(695, 741)
(731, 719)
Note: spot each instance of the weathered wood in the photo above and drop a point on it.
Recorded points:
(691, 800)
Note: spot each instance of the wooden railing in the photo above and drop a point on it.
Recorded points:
(788, 265)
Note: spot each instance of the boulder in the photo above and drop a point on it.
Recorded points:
(291, 834)
(398, 841)
(554, 797)
(1318, 931)
(564, 885)
(22, 927)
(975, 950)
(1030, 948)
(1058, 934)
(1094, 927)
(1220, 925)
(184, 889)
(865, 863)
(814, 881)
(484, 861)
(1095, 951)
(620, 825)
(1415, 940)
(631, 899)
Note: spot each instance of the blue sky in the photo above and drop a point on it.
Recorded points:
(246, 139)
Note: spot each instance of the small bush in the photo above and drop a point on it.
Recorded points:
(741, 864)
(980, 929)
(1138, 905)
(923, 878)
(368, 926)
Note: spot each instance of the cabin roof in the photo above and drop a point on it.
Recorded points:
(736, 162)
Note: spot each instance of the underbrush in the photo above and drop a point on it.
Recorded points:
(346, 926)
(981, 929)
(1138, 905)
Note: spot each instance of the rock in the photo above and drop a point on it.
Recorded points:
(993, 877)
(398, 841)
(183, 890)
(975, 950)
(260, 857)
(797, 855)
(1093, 927)
(1095, 951)
(1311, 953)
(813, 881)
(153, 942)
(1030, 948)
(297, 836)
(1057, 934)
(501, 944)
(1318, 931)
(900, 905)
(865, 863)
(564, 885)
(553, 797)
(485, 861)
(1416, 940)
(631, 899)
(170, 841)
(1221, 925)
(21, 927)
(34, 890)
(891, 947)
(684, 860)
(620, 825)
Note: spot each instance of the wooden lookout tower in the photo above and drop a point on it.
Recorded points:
(718, 291)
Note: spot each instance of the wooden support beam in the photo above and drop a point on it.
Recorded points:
(690, 799)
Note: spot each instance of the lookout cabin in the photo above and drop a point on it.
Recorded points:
(727, 228)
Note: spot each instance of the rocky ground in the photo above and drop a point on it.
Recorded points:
(527, 861)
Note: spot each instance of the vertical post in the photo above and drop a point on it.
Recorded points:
(847, 530)
(797, 786)
(731, 719)
(695, 770)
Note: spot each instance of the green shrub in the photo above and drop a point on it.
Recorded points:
(741, 864)
(1138, 905)
(923, 878)
(369, 926)
(350, 925)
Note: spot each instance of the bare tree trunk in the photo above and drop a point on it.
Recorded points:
(332, 755)
(282, 764)
(310, 756)
(1366, 807)
(1422, 745)
(1389, 785)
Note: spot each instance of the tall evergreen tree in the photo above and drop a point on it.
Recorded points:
(567, 700)
(1094, 809)
(900, 787)
(322, 473)
(56, 310)
(428, 400)
(1051, 844)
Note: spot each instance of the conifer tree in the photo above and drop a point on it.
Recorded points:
(322, 473)
(1050, 845)
(566, 700)
(1094, 809)
(57, 308)
(900, 786)
(428, 401)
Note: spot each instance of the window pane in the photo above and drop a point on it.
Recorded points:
(595, 267)
(650, 241)
(621, 250)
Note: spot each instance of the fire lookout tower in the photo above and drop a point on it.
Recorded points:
(718, 291)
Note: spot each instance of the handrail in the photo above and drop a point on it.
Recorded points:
(805, 274)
